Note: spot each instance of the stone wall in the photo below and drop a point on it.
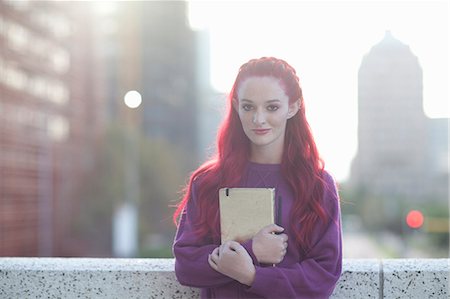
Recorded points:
(155, 278)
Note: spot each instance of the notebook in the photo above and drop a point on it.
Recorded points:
(244, 211)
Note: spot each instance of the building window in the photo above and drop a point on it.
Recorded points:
(58, 127)
(17, 36)
(47, 89)
(19, 116)
(40, 47)
(2, 71)
(57, 92)
(37, 86)
(60, 60)
(55, 23)
(60, 26)
(18, 5)
(14, 77)
(2, 26)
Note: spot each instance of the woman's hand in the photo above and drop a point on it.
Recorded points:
(233, 260)
(268, 247)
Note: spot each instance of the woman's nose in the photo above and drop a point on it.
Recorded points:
(259, 118)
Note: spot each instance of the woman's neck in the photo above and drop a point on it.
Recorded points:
(261, 156)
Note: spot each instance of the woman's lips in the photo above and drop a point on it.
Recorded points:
(261, 131)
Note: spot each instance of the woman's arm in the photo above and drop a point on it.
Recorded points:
(191, 253)
(315, 276)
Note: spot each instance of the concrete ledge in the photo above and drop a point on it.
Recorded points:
(90, 278)
(416, 278)
(360, 279)
(154, 278)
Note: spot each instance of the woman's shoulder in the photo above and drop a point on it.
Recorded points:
(205, 174)
(329, 181)
(330, 192)
(327, 177)
(201, 175)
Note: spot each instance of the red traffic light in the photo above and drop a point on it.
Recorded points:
(414, 219)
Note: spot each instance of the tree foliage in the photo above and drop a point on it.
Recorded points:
(161, 177)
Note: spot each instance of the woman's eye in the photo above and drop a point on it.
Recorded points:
(272, 108)
(247, 107)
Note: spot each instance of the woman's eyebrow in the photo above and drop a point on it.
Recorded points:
(269, 101)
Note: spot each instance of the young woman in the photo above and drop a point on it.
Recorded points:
(264, 141)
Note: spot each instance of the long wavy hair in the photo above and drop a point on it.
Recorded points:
(301, 165)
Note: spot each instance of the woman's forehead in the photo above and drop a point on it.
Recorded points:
(266, 88)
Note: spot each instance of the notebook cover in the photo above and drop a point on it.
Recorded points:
(244, 211)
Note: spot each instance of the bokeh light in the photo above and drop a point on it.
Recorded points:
(132, 99)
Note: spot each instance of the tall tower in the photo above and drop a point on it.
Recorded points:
(392, 127)
(156, 51)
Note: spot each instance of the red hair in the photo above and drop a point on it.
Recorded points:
(301, 165)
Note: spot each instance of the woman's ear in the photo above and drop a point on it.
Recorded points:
(293, 108)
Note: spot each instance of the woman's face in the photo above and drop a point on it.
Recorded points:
(264, 109)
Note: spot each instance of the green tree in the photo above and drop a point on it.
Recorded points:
(161, 178)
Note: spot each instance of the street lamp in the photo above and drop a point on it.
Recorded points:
(125, 226)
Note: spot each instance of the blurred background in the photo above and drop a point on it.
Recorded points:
(106, 107)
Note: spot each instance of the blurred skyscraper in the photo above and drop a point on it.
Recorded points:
(158, 54)
(50, 116)
(151, 49)
(401, 152)
(64, 70)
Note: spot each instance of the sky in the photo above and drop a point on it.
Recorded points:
(325, 42)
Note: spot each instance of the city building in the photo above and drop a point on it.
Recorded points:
(50, 117)
(401, 152)
(157, 54)
(152, 49)
(64, 70)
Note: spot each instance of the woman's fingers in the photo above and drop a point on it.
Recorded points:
(212, 262)
(272, 228)
(234, 246)
(213, 258)
(215, 252)
(283, 237)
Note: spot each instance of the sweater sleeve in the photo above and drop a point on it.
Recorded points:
(191, 252)
(317, 274)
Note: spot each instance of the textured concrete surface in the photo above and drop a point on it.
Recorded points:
(154, 278)
(416, 278)
(360, 279)
(90, 278)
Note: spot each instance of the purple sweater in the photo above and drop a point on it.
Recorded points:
(313, 275)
